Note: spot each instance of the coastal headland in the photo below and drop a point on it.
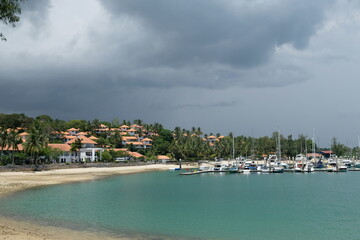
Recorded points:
(11, 182)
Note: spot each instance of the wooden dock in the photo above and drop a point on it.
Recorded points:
(200, 172)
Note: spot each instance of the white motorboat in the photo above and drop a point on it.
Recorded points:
(250, 167)
(300, 158)
(308, 167)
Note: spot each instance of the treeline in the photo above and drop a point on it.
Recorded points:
(187, 144)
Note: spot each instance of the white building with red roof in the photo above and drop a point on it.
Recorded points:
(88, 150)
(73, 131)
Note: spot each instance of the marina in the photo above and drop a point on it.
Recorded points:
(272, 164)
(195, 172)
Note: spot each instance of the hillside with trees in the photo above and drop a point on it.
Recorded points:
(186, 144)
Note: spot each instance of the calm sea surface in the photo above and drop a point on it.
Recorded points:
(164, 205)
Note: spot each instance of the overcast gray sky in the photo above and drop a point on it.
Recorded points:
(237, 66)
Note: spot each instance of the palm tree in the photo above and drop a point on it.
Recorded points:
(37, 139)
(193, 130)
(138, 122)
(3, 141)
(199, 132)
(157, 127)
(76, 145)
(13, 141)
(177, 132)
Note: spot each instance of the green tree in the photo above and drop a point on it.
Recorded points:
(115, 139)
(76, 146)
(37, 140)
(131, 147)
(102, 142)
(81, 124)
(115, 123)
(13, 140)
(138, 122)
(106, 156)
(52, 154)
(3, 139)
(9, 13)
(177, 132)
(339, 149)
(15, 120)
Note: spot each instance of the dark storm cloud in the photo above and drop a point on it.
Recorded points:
(242, 34)
(220, 104)
(149, 46)
(67, 93)
(214, 104)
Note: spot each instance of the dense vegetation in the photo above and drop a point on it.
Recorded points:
(189, 145)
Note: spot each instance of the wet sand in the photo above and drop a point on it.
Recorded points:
(11, 182)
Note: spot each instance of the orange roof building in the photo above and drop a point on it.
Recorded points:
(63, 147)
(84, 140)
(162, 157)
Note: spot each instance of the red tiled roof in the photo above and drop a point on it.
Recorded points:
(327, 152)
(81, 133)
(135, 154)
(147, 139)
(84, 140)
(119, 149)
(20, 148)
(129, 138)
(63, 147)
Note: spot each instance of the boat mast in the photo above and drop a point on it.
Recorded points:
(306, 152)
(233, 148)
(279, 145)
(313, 143)
(330, 148)
(358, 145)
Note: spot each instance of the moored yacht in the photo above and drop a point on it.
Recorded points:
(298, 167)
(277, 169)
(300, 158)
(331, 167)
(218, 166)
(250, 167)
(308, 167)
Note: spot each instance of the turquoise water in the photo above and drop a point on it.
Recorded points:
(164, 205)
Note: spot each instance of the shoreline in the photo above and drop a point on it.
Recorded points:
(11, 182)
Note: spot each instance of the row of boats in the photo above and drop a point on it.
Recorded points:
(272, 165)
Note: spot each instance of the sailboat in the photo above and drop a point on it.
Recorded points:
(309, 165)
(300, 160)
(356, 163)
(234, 167)
(341, 167)
(265, 167)
(277, 167)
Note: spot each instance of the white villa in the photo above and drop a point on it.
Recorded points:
(87, 151)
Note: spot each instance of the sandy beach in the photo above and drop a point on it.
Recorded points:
(11, 182)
